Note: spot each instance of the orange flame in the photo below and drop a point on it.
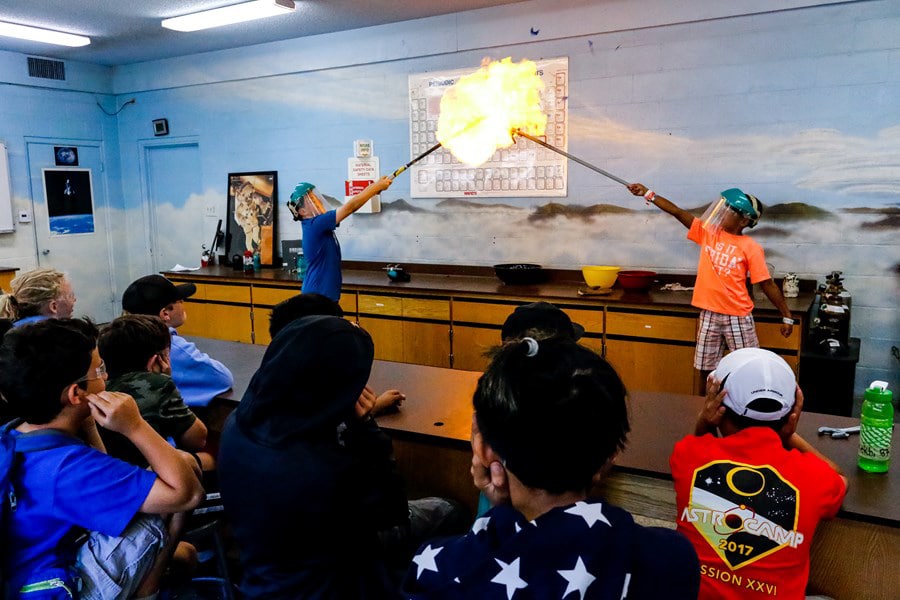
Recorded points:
(481, 109)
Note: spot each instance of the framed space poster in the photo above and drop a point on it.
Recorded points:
(252, 198)
(70, 201)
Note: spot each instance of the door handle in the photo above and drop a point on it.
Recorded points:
(45, 252)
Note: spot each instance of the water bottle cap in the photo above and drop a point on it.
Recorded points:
(878, 391)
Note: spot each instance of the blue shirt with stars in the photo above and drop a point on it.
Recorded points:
(588, 550)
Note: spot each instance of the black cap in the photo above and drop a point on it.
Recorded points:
(149, 295)
(543, 317)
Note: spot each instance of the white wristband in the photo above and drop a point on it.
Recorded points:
(649, 195)
(788, 321)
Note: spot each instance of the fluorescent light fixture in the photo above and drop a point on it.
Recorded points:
(35, 34)
(236, 13)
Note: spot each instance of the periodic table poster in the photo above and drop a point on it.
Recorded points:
(525, 169)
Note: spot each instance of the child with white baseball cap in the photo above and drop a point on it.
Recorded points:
(749, 490)
(758, 384)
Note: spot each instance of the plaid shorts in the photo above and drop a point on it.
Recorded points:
(717, 332)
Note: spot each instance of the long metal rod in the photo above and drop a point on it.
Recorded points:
(415, 160)
(570, 157)
(436, 146)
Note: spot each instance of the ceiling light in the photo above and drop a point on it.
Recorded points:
(236, 13)
(24, 32)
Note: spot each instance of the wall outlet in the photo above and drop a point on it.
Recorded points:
(24, 216)
(210, 210)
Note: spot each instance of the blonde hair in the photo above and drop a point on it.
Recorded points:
(30, 293)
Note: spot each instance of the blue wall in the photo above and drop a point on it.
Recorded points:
(795, 102)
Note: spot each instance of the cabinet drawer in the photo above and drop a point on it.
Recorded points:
(420, 308)
(495, 314)
(223, 293)
(591, 320)
(652, 326)
(270, 296)
(380, 305)
(481, 312)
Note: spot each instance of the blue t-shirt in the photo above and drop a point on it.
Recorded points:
(64, 488)
(323, 256)
(198, 377)
(30, 320)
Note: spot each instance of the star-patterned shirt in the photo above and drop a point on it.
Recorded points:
(589, 550)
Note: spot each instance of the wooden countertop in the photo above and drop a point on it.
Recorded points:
(438, 409)
(561, 288)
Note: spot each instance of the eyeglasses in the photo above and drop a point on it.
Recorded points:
(99, 373)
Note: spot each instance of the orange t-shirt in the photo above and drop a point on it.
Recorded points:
(725, 261)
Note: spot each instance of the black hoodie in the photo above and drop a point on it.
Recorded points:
(305, 483)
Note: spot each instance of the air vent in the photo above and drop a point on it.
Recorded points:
(46, 69)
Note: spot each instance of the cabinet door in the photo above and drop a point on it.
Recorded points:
(387, 335)
(652, 366)
(5, 279)
(219, 311)
(407, 329)
(470, 344)
(652, 350)
(426, 343)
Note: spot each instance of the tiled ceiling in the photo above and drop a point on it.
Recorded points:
(129, 31)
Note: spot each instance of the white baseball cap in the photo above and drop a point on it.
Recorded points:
(758, 384)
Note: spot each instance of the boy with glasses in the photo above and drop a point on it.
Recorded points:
(53, 380)
(136, 348)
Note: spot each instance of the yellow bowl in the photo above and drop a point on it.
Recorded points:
(600, 276)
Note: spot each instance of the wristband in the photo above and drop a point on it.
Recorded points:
(649, 196)
(788, 321)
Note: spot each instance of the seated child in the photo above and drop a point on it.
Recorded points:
(549, 416)
(764, 487)
(135, 349)
(52, 377)
(199, 378)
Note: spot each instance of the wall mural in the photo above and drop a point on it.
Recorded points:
(814, 135)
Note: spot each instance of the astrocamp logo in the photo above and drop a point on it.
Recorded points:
(744, 512)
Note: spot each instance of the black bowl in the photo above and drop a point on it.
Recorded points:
(520, 273)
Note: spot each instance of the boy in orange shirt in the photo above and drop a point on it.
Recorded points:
(727, 257)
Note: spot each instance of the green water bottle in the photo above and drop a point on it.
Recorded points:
(875, 427)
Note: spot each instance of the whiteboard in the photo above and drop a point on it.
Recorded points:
(525, 169)
(6, 212)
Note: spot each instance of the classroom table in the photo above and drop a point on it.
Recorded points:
(854, 556)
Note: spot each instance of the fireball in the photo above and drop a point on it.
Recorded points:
(481, 110)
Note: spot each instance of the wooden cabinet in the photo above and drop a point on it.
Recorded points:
(265, 297)
(477, 329)
(768, 330)
(407, 329)
(221, 311)
(652, 350)
(651, 346)
(5, 278)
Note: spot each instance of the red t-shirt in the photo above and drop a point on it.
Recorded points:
(750, 509)
(725, 261)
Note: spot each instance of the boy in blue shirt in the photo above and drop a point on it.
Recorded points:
(53, 380)
(320, 244)
(198, 377)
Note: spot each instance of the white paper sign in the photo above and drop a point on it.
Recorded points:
(360, 173)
